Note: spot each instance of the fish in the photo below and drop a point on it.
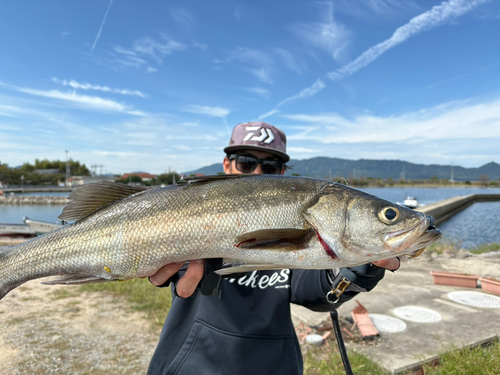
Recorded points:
(253, 222)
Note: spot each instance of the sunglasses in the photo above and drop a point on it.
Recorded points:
(248, 163)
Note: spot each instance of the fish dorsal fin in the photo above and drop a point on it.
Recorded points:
(89, 198)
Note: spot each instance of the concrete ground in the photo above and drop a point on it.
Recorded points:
(412, 285)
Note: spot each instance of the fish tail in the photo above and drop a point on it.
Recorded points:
(6, 281)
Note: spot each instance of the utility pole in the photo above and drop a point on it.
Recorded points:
(67, 168)
(100, 166)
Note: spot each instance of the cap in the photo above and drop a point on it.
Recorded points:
(258, 136)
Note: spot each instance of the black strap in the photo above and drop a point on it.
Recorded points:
(333, 297)
(340, 340)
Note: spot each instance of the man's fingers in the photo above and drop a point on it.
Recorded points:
(165, 273)
(391, 264)
(187, 284)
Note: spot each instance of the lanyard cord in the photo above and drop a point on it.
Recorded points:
(335, 293)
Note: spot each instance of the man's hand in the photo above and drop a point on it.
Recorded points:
(391, 264)
(187, 284)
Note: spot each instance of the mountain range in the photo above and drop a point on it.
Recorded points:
(324, 167)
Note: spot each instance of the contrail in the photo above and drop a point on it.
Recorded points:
(102, 25)
(436, 16)
(425, 21)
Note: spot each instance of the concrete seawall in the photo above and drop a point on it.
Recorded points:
(445, 209)
(32, 200)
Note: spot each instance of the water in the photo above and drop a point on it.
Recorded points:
(477, 224)
(14, 214)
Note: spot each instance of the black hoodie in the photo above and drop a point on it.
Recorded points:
(245, 328)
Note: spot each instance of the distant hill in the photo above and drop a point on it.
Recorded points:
(322, 167)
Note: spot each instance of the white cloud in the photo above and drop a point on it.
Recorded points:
(87, 86)
(85, 101)
(259, 91)
(267, 114)
(261, 63)
(182, 18)
(287, 59)
(202, 46)
(146, 49)
(209, 111)
(329, 36)
(452, 121)
(301, 150)
(182, 147)
(377, 8)
(436, 16)
(306, 93)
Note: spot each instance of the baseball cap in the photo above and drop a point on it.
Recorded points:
(258, 135)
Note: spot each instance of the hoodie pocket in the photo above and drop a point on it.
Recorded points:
(209, 350)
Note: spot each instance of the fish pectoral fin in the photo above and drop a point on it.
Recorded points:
(288, 239)
(247, 268)
(76, 280)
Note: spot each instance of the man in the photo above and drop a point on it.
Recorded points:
(246, 327)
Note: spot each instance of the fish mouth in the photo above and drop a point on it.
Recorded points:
(415, 238)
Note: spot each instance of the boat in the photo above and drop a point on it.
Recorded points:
(41, 227)
(16, 230)
(410, 202)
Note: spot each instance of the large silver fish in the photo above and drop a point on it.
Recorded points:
(259, 222)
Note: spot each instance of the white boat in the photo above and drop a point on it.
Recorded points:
(410, 202)
(16, 230)
(41, 227)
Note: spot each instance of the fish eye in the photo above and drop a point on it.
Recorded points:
(389, 215)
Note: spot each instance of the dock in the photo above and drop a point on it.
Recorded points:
(445, 209)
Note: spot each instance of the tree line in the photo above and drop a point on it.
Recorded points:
(26, 174)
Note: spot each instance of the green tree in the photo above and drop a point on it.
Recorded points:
(167, 178)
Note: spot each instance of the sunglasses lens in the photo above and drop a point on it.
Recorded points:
(271, 167)
(246, 164)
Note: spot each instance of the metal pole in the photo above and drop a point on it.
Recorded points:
(67, 168)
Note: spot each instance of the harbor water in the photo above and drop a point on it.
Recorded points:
(477, 224)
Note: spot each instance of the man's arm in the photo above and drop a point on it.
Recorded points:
(188, 283)
(309, 287)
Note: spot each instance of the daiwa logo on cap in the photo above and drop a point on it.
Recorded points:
(266, 135)
(258, 135)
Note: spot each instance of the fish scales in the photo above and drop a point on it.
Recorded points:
(136, 235)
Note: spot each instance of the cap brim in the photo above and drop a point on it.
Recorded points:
(281, 155)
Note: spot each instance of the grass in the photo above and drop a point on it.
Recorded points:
(141, 294)
(455, 244)
(319, 362)
(484, 360)
(485, 248)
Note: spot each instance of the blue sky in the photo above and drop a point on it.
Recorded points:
(157, 85)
